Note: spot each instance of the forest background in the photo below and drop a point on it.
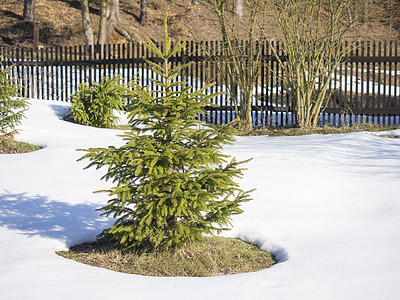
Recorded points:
(60, 22)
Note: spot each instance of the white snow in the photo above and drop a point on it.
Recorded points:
(327, 206)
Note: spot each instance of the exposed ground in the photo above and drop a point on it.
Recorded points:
(60, 22)
(211, 257)
(8, 146)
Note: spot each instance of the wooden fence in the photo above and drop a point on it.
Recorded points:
(367, 87)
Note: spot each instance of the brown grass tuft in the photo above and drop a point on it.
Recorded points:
(211, 257)
(294, 131)
(8, 146)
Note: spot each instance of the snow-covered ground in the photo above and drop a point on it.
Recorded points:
(327, 206)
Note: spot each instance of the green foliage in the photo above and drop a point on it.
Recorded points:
(93, 105)
(11, 108)
(173, 182)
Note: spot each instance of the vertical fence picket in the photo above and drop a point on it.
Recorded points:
(379, 97)
(373, 79)
(29, 72)
(346, 94)
(75, 70)
(220, 86)
(27, 82)
(203, 68)
(128, 65)
(12, 69)
(52, 74)
(189, 53)
(395, 100)
(359, 69)
(139, 53)
(211, 78)
(69, 63)
(271, 63)
(385, 76)
(199, 70)
(37, 74)
(122, 57)
(256, 48)
(147, 67)
(112, 56)
(56, 74)
(18, 75)
(119, 70)
(362, 97)
(134, 63)
(368, 98)
(161, 47)
(81, 67)
(89, 70)
(351, 98)
(64, 73)
(23, 74)
(46, 81)
(39, 79)
(389, 94)
(262, 78)
(279, 76)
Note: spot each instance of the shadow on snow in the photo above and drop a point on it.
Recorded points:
(39, 215)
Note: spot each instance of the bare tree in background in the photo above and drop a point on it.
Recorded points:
(86, 23)
(29, 10)
(239, 9)
(313, 34)
(109, 17)
(114, 12)
(242, 60)
(103, 24)
(195, 10)
(143, 12)
(366, 5)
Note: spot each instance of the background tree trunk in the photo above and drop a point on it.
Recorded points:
(239, 9)
(86, 23)
(143, 13)
(103, 25)
(29, 10)
(114, 13)
(365, 15)
(195, 11)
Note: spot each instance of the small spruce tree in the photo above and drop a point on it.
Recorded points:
(12, 108)
(173, 182)
(93, 105)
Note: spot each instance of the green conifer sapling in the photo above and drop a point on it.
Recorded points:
(93, 105)
(11, 108)
(173, 184)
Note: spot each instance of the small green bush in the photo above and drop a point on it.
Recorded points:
(11, 108)
(94, 105)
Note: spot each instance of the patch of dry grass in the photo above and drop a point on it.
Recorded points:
(121, 127)
(390, 136)
(211, 257)
(294, 131)
(8, 146)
